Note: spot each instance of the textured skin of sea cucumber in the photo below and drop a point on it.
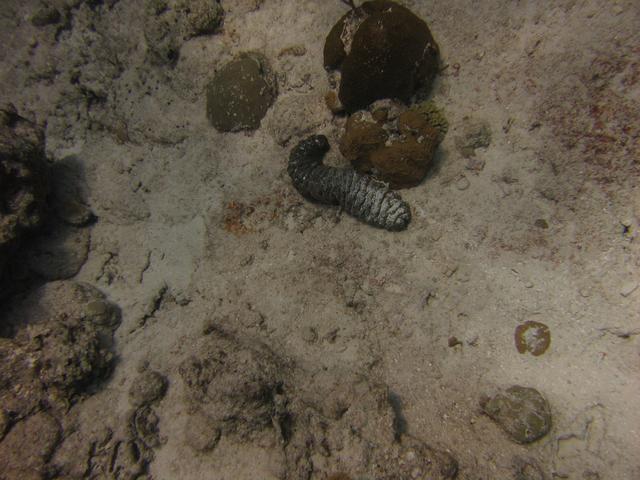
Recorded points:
(359, 195)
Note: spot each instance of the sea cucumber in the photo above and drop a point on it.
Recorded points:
(360, 195)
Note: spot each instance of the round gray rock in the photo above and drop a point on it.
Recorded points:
(521, 412)
(240, 94)
(148, 387)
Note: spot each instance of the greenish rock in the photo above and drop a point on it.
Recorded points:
(522, 412)
(97, 307)
(475, 134)
(240, 94)
(398, 150)
(435, 117)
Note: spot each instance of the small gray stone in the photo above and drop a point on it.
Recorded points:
(475, 134)
(628, 288)
(309, 335)
(526, 469)
(201, 433)
(521, 412)
(148, 387)
(240, 94)
(463, 183)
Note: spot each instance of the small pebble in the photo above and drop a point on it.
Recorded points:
(147, 388)
(333, 102)
(462, 183)
(475, 164)
(309, 335)
(541, 223)
(628, 288)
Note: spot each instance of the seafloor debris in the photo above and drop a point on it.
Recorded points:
(532, 337)
(383, 50)
(522, 412)
(475, 134)
(359, 195)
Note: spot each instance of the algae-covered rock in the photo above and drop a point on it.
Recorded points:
(523, 413)
(395, 146)
(383, 51)
(405, 163)
(240, 94)
(363, 135)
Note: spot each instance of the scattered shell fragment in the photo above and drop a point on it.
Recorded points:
(532, 337)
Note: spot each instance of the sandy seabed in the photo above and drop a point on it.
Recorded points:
(203, 243)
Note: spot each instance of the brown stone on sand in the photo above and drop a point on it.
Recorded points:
(391, 54)
(405, 163)
(362, 137)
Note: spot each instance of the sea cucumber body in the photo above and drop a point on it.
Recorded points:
(359, 195)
